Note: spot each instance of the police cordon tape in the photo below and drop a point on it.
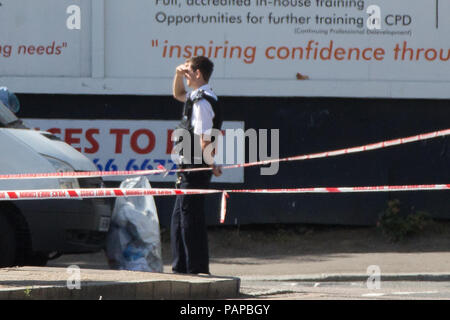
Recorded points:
(139, 192)
(135, 192)
(368, 147)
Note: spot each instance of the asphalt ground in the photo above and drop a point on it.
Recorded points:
(277, 250)
(319, 262)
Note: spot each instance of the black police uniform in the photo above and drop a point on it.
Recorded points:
(189, 239)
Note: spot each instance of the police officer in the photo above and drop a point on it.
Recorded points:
(201, 114)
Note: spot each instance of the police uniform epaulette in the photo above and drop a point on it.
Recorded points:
(198, 95)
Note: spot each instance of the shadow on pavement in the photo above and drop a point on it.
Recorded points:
(304, 243)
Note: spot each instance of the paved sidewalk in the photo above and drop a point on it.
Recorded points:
(51, 283)
(100, 283)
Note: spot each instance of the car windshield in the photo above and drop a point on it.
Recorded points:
(8, 119)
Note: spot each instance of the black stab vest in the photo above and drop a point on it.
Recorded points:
(186, 124)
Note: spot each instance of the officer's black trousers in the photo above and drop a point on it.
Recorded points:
(189, 238)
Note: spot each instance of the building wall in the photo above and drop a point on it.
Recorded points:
(132, 47)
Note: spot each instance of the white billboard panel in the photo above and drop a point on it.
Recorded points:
(345, 48)
(117, 145)
(35, 40)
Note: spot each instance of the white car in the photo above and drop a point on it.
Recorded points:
(34, 231)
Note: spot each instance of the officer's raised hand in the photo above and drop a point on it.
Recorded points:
(182, 69)
(179, 91)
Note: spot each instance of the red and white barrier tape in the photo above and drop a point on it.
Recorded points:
(368, 147)
(333, 190)
(372, 146)
(96, 193)
(138, 192)
(349, 189)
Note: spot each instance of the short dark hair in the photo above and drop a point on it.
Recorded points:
(203, 64)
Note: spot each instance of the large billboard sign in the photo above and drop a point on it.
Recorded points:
(338, 48)
(118, 145)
